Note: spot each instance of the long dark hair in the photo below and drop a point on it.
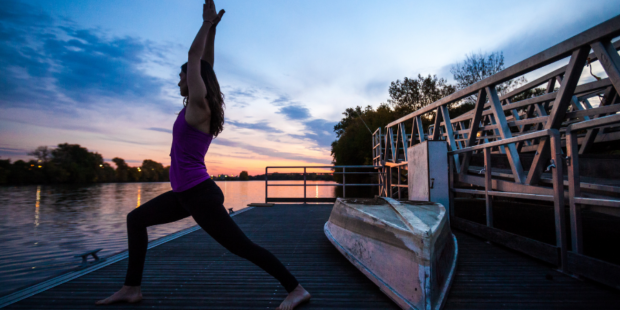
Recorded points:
(214, 97)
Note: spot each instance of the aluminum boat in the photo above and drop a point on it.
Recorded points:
(405, 247)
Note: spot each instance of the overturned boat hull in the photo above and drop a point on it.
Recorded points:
(406, 248)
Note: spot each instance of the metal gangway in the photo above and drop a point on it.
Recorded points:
(554, 130)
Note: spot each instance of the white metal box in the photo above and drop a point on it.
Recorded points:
(428, 172)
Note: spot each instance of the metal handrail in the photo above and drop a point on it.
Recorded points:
(305, 173)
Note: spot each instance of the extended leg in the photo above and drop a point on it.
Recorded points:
(162, 209)
(205, 204)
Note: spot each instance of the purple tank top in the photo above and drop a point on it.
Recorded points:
(189, 147)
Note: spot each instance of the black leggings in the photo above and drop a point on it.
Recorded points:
(204, 202)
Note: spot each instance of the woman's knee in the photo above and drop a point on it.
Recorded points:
(134, 219)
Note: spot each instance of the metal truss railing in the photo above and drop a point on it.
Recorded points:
(562, 117)
(305, 199)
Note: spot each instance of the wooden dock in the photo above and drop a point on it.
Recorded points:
(194, 272)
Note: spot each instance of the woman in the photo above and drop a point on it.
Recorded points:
(193, 191)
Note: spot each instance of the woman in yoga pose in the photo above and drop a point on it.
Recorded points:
(194, 193)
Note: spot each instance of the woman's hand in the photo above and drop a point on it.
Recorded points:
(218, 18)
(208, 12)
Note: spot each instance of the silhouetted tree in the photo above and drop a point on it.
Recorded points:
(42, 154)
(479, 66)
(106, 173)
(5, 171)
(244, 176)
(134, 174)
(81, 165)
(122, 169)
(412, 94)
(152, 171)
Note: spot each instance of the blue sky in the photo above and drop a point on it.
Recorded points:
(103, 73)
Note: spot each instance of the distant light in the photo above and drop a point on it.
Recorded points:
(39, 166)
(100, 165)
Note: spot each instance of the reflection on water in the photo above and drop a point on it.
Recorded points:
(36, 207)
(139, 191)
(71, 219)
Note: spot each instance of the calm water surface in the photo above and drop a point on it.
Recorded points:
(42, 227)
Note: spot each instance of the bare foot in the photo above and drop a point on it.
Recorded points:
(128, 294)
(298, 296)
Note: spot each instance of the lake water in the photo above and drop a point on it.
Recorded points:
(42, 227)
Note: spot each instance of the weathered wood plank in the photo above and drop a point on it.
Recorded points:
(595, 269)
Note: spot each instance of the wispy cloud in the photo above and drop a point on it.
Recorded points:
(160, 129)
(264, 151)
(281, 100)
(8, 151)
(262, 125)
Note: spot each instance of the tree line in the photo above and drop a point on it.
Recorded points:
(354, 131)
(72, 163)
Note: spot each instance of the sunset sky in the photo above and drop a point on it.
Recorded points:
(103, 74)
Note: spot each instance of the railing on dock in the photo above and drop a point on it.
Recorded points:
(306, 199)
(555, 129)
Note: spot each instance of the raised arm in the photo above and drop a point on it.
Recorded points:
(197, 89)
(209, 53)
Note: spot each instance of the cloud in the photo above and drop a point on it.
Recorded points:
(55, 64)
(262, 125)
(267, 151)
(292, 110)
(160, 129)
(280, 101)
(320, 131)
(238, 93)
(295, 112)
(240, 97)
(8, 151)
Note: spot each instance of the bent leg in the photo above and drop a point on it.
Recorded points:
(205, 204)
(162, 209)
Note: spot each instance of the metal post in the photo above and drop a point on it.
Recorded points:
(266, 184)
(488, 185)
(344, 183)
(389, 182)
(304, 185)
(558, 197)
(574, 191)
(451, 186)
(399, 182)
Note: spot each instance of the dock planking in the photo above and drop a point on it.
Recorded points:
(194, 272)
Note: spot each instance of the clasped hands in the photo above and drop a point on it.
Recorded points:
(209, 15)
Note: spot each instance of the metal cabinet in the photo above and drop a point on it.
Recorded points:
(427, 164)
